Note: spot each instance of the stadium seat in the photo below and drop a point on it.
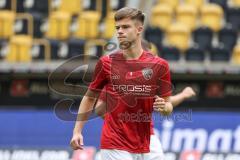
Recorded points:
(195, 54)
(41, 50)
(59, 50)
(222, 3)
(203, 37)
(87, 25)
(117, 4)
(3, 48)
(178, 35)
(154, 35)
(109, 29)
(235, 3)
(19, 6)
(76, 47)
(173, 3)
(161, 16)
(187, 14)
(94, 49)
(73, 7)
(33, 6)
(170, 53)
(236, 55)
(197, 3)
(232, 17)
(38, 22)
(20, 49)
(7, 19)
(212, 16)
(219, 54)
(5, 4)
(58, 26)
(228, 37)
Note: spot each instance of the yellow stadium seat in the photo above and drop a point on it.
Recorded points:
(235, 3)
(20, 49)
(58, 25)
(178, 35)
(7, 19)
(154, 49)
(88, 25)
(236, 55)
(71, 6)
(212, 16)
(197, 3)
(109, 29)
(187, 14)
(161, 16)
(171, 3)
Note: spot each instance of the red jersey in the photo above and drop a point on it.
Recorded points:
(130, 89)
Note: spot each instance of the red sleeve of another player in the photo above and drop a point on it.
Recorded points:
(165, 85)
(99, 78)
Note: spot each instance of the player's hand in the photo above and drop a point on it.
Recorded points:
(188, 92)
(77, 141)
(159, 104)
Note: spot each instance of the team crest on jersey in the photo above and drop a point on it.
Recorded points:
(147, 73)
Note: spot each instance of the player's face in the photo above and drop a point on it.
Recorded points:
(128, 30)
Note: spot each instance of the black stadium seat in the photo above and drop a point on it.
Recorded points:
(203, 37)
(154, 35)
(76, 47)
(232, 17)
(219, 54)
(170, 53)
(194, 54)
(5, 4)
(41, 6)
(222, 3)
(228, 37)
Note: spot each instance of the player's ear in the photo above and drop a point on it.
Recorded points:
(139, 29)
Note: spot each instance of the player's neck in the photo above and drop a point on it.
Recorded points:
(134, 52)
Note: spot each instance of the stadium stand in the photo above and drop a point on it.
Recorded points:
(60, 26)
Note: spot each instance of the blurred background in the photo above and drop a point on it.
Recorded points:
(38, 98)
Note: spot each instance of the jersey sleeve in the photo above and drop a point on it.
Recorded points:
(164, 81)
(99, 79)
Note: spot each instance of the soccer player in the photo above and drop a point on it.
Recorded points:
(134, 80)
(155, 145)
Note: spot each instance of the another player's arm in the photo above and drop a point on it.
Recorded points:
(85, 109)
(186, 93)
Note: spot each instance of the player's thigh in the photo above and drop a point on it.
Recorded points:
(156, 152)
(114, 154)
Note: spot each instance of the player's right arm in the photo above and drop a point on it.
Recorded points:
(85, 109)
(87, 104)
